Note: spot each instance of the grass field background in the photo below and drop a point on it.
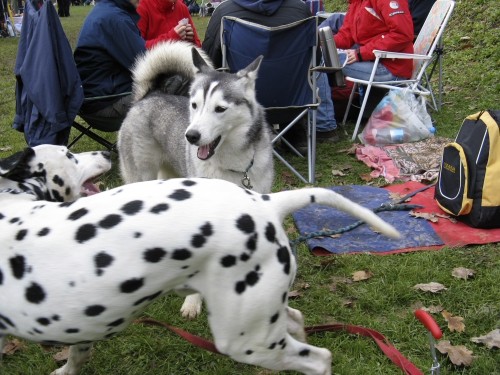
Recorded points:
(385, 302)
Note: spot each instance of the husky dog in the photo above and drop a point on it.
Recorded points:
(218, 131)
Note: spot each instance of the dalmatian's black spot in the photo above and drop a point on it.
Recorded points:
(7, 321)
(21, 234)
(18, 266)
(85, 232)
(2, 216)
(137, 235)
(67, 191)
(43, 232)
(252, 242)
(102, 260)
(3, 326)
(109, 335)
(284, 297)
(270, 232)
(244, 257)
(131, 285)
(116, 323)
(275, 317)
(180, 195)
(14, 220)
(272, 346)
(58, 180)
(147, 298)
(313, 199)
(35, 293)
(56, 196)
(94, 310)
(284, 258)
(43, 321)
(207, 229)
(228, 261)
(66, 204)
(36, 330)
(304, 353)
(246, 224)
(72, 330)
(159, 208)
(198, 240)
(240, 287)
(1, 277)
(252, 278)
(265, 197)
(132, 207)
(56, 318)
(282, 343)
(154, 255)
(110, 221)
(248, 352)
(78, 214)
(188, 183)
(181, 254)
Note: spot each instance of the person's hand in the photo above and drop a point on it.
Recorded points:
(351, 56)
(181, 30)
(189, 33)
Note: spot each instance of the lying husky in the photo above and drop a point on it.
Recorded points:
(219, 131)
(207, 235)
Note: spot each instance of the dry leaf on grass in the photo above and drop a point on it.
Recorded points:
(294, 294)
(444, 216)
(455, 323)
(393, 196)
(336, 172)
(430, 287)
(459, 355)
(433, 309)
(491, 339)
(12, 346)
(463, 273)
(361, 275)
(62, 355)
(425, 215)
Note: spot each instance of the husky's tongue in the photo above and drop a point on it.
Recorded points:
(204, 152)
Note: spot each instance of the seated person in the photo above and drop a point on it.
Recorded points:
(272, 13)
(107, 47)
(160, 21)
(419, 10)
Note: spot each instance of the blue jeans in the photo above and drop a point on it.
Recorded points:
(325, 115)
(363, 70)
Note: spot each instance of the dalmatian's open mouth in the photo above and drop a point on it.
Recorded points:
(205, 152)
(90, 187)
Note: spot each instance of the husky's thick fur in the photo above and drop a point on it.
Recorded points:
(218, 131)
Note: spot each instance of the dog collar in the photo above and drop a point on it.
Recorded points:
(245, 181)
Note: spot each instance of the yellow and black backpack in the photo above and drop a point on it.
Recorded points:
(468, 186)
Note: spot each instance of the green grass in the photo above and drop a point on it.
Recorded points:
(384, 303)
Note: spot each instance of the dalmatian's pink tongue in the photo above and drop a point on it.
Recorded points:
(89, 188)
(204, 152)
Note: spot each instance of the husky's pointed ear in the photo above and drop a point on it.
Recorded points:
(251, 70)
(199, 62)
(13, 167)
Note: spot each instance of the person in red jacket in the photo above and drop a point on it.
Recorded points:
(376, 24)
(166, 20)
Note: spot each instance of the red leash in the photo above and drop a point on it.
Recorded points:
(390, 351)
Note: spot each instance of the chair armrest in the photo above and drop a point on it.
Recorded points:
(399, 55)
(325, 69)
(94, 98)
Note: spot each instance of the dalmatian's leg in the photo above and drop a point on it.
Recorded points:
(78, 355)
(191, 307)
(295, 324)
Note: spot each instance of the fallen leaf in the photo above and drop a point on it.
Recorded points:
(294, 294)
(62, 355)
(366, 177)
(455, 323)
(394, 196)
(462, 273)
(491, 339)
(336, 172)
(444, 216)
(348, 303)
(431, 287)
(12, 347)
(433, 309)
(459, 355)
(425, 215)
(5, 148)
(361, 275)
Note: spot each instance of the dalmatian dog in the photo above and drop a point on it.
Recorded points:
(51, 173)
(186, 234)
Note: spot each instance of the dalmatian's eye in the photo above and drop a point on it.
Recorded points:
(220, 109)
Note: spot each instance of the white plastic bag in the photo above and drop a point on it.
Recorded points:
(400, 117)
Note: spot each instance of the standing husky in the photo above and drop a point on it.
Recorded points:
(219, 131)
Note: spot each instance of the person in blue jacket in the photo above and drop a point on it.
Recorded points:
(107, 47)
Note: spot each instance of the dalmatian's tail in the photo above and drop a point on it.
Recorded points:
(289, 201)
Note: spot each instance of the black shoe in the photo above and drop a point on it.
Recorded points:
(328, 136)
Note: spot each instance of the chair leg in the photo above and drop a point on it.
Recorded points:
(361, 110)
(349, 103)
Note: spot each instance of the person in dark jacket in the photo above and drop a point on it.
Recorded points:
(419, 10)
(272, 13)
(106, 50)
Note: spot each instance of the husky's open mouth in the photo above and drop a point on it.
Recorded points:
(205, 152)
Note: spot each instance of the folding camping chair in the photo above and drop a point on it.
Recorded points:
(424, 47)
(286, 83)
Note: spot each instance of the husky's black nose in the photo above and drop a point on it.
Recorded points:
(193, 136)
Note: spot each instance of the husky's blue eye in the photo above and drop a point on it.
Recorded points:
(220, 109)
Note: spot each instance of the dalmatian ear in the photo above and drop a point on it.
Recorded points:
(16, 167)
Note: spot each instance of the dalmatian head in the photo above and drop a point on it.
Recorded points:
(53, 173)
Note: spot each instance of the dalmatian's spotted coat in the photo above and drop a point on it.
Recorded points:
(203, 235)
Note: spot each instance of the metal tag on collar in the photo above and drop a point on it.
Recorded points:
(245, 181)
